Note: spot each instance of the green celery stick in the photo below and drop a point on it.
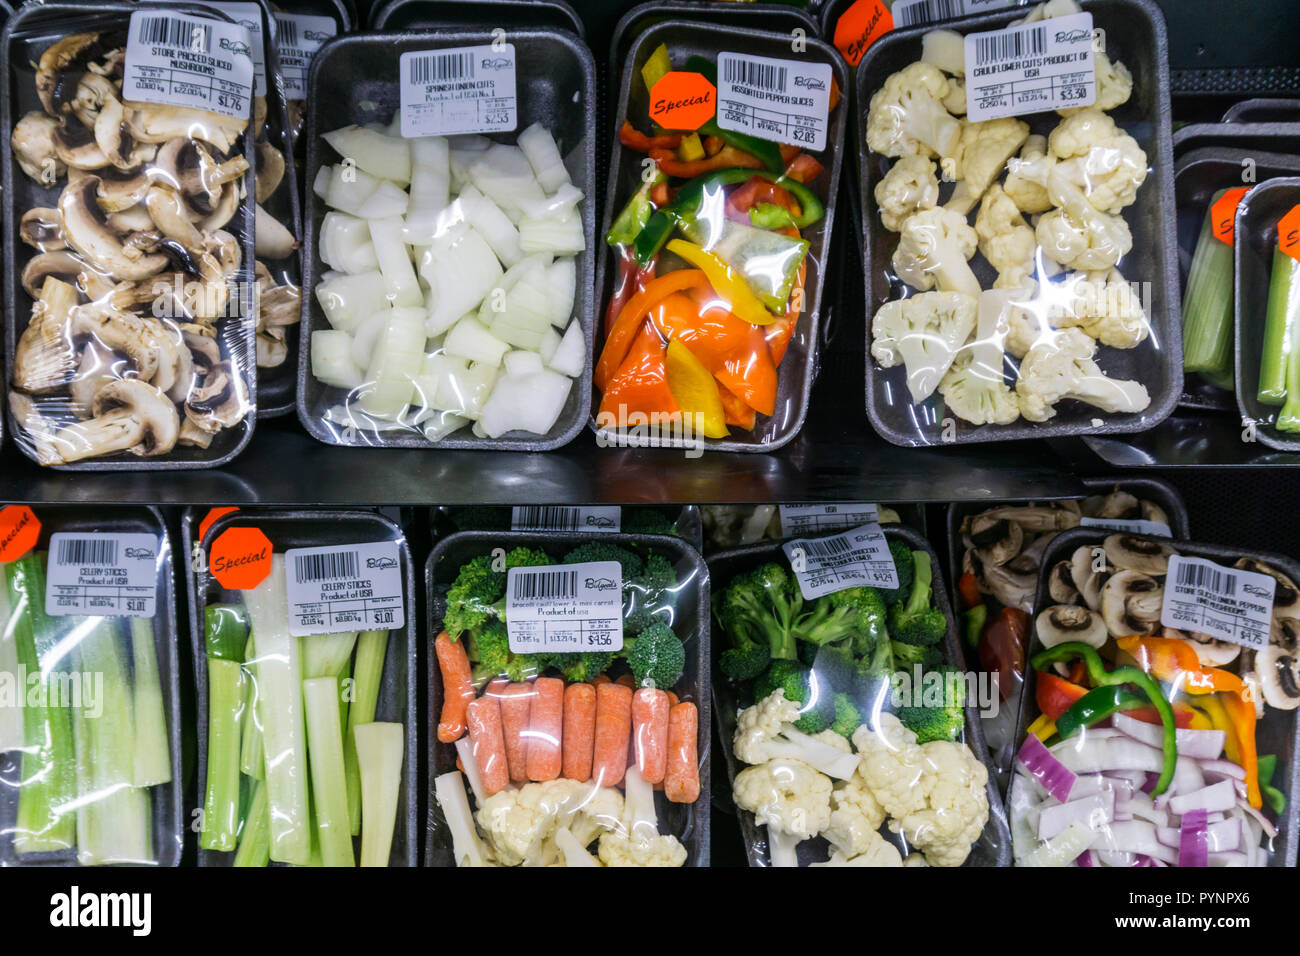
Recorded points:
(153, 762)
(1279, 328)
(1207, 306)
(325, 655)
(325, 757)
(379, 752)
(252, 751)
(12, 690)
(255, 838)
(367, 675)
(221, 799)
(225, 631)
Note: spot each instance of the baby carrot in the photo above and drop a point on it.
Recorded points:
(613, 733)
(627, 681)
(682, 778)
(545, 729)
(457, 687)
(579, 731)
(650, 733)
(484, 716)
(672, 698)
(602, 679)
(516, 700)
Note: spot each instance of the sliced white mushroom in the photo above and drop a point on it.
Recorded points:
(33, 146)
(1130, 604)
(271, 238)
(1134, 552)
(129, 416)
(1089, 570)
(1069, 622)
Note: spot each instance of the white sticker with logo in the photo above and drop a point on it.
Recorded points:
(1030, 69)
(786, 101)
(248, 16)
(1225, 603)
(173, 59)
(1131, 525)
(352, 587)
(102, 574)
(563, 518)
(855, 558)
(297, 38)
(566, 608)
(458, 91)
(907, 13)
(817, 519)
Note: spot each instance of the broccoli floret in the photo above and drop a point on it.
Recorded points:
(472, 596)
(916, 622)
(648, 593)
(521, 667)
(847, 716)
(904, 564)
(869, 621)
(584, 666)
(647, 521)
(527, 558)
(760, 607)
(836, 668)
(604, 551)
(815, 706)
(480, 518)
(907, 656)
(658, 574)
(656, 656)
(944, 721)
(488, 648)
(745, 659)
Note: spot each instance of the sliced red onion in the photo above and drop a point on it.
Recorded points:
(1054, 777)
(1217, 796)
(1093, 812)
(1085, 858)
(1132, 779)
(1151, 781)
(1198, 744)
(1193, 846)
(1095, 754)
(1269, 830)
(1231, 858)
(1117, 859)
(1219, 837)
(1137, 836)
(1222, 768)
(1143, 860)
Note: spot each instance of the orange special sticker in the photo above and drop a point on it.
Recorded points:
(19, 529)
(1223, 214)
(683, 101)
(210, 518)
(1288, 233)
(861, 25)
(240, 558)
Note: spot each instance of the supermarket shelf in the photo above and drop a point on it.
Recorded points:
(1191, 440)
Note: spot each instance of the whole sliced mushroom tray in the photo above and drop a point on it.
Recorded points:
(1142, 744)
(129, 239)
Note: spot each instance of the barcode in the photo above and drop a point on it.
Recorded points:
(330, 566)
(1211, 579)
(547, 518)
(828, 547)
(927, 11)
(1010, 46)
(545, 585)
(168, 31)
(286, 32)
(763, 76)
(96, 552)
(439, 67)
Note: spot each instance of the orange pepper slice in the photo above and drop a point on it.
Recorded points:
(628, 324)
(640, 386)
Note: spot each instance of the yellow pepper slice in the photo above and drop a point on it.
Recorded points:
(690, 149)
(1042, 727)
(731, 287)
(696, 391)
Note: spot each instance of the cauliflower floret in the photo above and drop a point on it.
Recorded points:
(1114, 84)
(958, 805)
(982, 153)
(893, 765)
(831, 739)
(878, 852)
(1101, 159)
(856, 815)
(1079, 235)
(1062, 367)
(934, 246)
(955, 101)
(1025, 328)
(617, 850)
(1005, 239)
(1106, 308)
(946, 49)
(910, 185)
(519, 825)
(906, 115)
(1052, 8)
(915, 859)
(1026, 181)
(974, 388)
(923, 332)
(766, 731)
(788, 795)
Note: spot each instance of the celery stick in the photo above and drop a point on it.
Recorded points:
(325, 757)
(1279, 335)
(255, 838)
(1207, 306)
(48, 789)
(280, 693)
(325, 655)
(153, 762)
(1288, 419)
(367, 674)
(252, 751)
(379, 753)
(221, 800)
(12, 688)
(345, 697)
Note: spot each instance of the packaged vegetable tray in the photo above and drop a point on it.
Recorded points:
(607, 749)
(90, 761)
(1157, 723)
(448, 249)
(729, 526)
(825, 746)
(302, 627)
(1021, 271)
(718, 236)
(683, 522)
(129, 225)
(410, 15)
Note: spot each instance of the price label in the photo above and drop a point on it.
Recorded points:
(248, 16)
(1288, 233)
(786, 101)
(457, 91)
(297, 38)
(102, 575)
(1225, 603)
(560, 518)
(565, 608)
(1031, 68)
(1223, 214)
(847, 560)
(909, 13)
(683, 101)
(174, 59)
(1131, 525)
(355, 587)
(818, 519)
(862, 24)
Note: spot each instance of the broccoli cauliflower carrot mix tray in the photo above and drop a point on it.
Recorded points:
(569, 687)
(1014, 198)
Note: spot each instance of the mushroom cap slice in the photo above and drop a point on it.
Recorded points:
(88, 232)
(114, 139)
(1089, 570)
(118, 193)
(129, 415)
(41, 229)
(1286, 599)
(33, 146)
(1118, 504)
(168, 210)
(75, 145)
(270, 170)
(1060, 583)
(1153, 512)
(62, 265)
(1135, 552)
(151, 123)
(1210, 651)
(1036, 518)
(45, 358)
(1011, 587)
(1277, 668)
(996, 540)
(1130, 604)
(52, 79)
(272, 349)
(1069, 622)
(220, 402)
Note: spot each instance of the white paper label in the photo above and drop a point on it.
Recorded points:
(782, 100)
(350, 587)
(1130, 525)
(818, 519)
(562, 518)
(248, 16)
(908, 13)
(1030, 69)
(104, 575)
(565, 608)
(177, 60)
(297, 38)
(462, 90)
(851, 559)
(1226, 603)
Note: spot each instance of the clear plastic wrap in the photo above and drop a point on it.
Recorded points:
(729, 526)
(717, 236)
(90, 763)
(849, 729)
(451, 270)
(583, 739)
(1021, 270)
(1145, 744)
(305, 668)
(129, 236)
(681, 521)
